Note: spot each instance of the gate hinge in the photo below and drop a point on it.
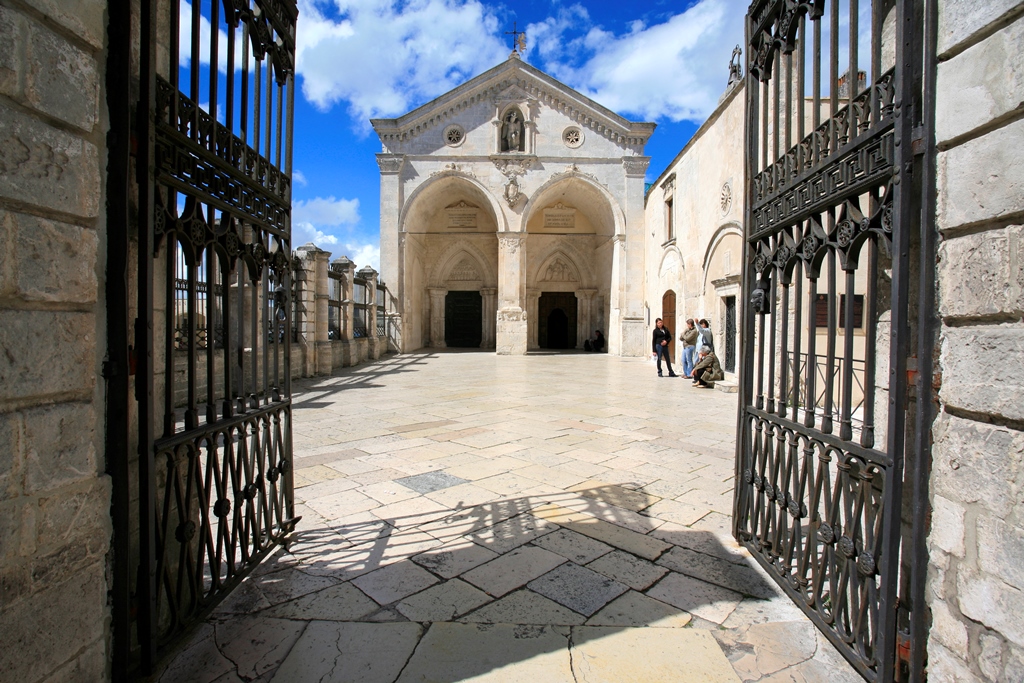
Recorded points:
(917, 141)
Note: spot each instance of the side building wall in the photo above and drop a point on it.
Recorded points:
(55, 525)
(976, 544)
(701, 261)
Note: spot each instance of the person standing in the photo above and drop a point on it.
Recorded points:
(689, 339)
(707, 339)
(662, 336)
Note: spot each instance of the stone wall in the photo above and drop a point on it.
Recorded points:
(55, 525)
(976, 544)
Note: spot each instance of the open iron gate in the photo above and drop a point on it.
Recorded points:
(212, 341)
(835, 96)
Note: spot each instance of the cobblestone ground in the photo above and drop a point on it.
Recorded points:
(467, 516)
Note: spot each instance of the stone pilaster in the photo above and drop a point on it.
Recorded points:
(437, 296)
(533, 315)
(630, 253)
(305, 309)
(391, 201)
(511, 326)
(490, 311)
(585, 317)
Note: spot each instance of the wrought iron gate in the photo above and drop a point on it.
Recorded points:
(824, 400)
(214, 121)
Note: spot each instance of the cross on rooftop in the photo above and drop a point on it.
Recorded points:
(518, 38)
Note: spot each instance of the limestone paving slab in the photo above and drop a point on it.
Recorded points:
(429, 482)
(513, 570)
(331, 652)
(344, 602)
(394, 582)
(573, 546)
(636, 609)
(578, 588)
(635, 572)
(512, 533)
(615, 655)
(704, 600)
(486, 653)
(524, 607)
(442, 602)
(453, 559)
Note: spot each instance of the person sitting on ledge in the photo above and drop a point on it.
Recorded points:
(597, 344)
(707, 370)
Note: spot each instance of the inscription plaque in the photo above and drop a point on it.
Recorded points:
(462, 215)
(560, 217)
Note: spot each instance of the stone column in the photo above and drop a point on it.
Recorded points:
(437, 295)
(584, 306)
(511, 332)
(374, 344)
(490, 300)
(324, 362)
(345, 352)
(631, 325)
(533, 317)
(305, 310)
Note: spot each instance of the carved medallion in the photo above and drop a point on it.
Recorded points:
(726, 198)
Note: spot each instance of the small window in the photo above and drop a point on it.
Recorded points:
(821, 311)
(670, 224)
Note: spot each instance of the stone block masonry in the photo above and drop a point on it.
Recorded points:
(55, 525)
(976, 585)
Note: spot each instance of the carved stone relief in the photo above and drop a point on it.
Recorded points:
(465, 271)
(560, 271)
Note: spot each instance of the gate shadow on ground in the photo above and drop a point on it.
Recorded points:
(313, 392)
(489, 585)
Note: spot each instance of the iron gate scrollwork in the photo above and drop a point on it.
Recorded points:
(824, 395)
(214, 317)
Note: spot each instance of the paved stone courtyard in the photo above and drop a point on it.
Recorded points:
(467, 516)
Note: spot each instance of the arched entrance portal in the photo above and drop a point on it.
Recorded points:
(557, 320)
(668, 316)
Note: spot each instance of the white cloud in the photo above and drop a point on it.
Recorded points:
(317, 220)
(674, 70)
(364, 255)
(383, 57)
(299, 178)
(327, 211)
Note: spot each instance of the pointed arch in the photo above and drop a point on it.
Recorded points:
(453, 256)
(437, 183)
(577, 263)
(541, 196)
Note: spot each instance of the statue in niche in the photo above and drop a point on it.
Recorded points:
(512, 131)
(735, 66)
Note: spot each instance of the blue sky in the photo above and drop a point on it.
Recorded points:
(659, 61)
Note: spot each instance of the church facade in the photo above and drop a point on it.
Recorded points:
(513, 218)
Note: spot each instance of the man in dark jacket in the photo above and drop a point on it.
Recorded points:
(707, 370)
(662, 336)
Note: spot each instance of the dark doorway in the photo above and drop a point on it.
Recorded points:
(557, 320)
(463, 319)
(668, 316)
(730, 334)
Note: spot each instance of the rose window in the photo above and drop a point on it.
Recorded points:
(572, 137)
(454, 135)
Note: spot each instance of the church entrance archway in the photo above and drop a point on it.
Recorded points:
(463, 318)
(557, 320)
